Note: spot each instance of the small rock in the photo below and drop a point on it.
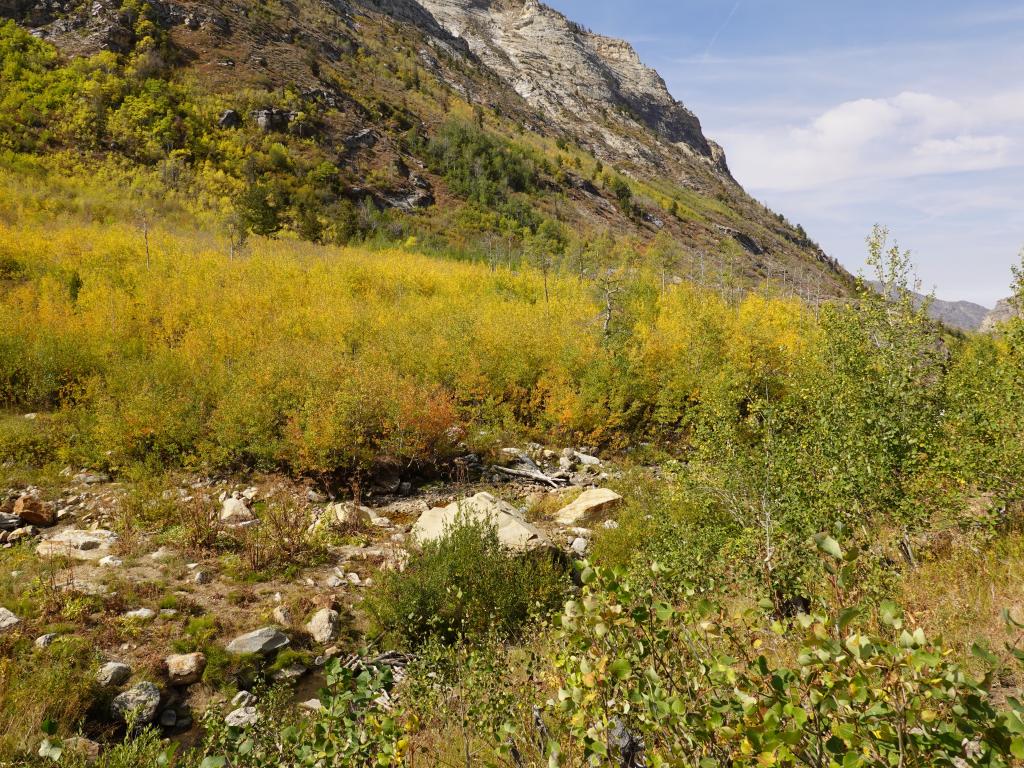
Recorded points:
(243, 699)
(250, 493)
(87, 749)
(235, 511)
(113, 673)
(9, 522)
(8, 621)
(34, 511)
(265, 640)
(202, 577)
(140, 614)
(323, 627)
(139, 702)
(349, 514)
(289, 673)
(381, 522)
(579, 545)
(282, 616)
(353, 579)
(313, 705)
(587, 461)
(168, 613)
(315, 497)
(92, 478)
(27, 532)
(163, 554)
(334, 581)
(610, 525)
(185, 669)
(45, 641)
(242, 717)
(229, 118)
(111, 562)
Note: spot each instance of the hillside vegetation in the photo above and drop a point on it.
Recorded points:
(787, 466)
(355, 413)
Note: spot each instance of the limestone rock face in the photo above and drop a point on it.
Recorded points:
(513, 531)
(593, 501)
(573, 76)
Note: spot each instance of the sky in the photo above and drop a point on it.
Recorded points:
(841, 115)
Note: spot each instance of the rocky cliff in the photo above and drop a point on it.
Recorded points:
(593, 86)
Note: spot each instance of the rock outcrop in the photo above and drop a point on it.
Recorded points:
(584, 82)
(513, 530)
(1004, 310)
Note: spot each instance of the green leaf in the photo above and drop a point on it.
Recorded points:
(49, 727)
(984, 654)
(828, 545)
(620, 669)
(214, 761)
(846, 616)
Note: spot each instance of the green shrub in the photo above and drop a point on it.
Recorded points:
(465, 585)
(26, 442)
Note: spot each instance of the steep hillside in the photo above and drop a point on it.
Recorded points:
(466, 125)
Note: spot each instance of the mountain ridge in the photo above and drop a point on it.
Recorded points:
(366, 85)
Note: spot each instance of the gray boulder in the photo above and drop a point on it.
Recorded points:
(113, 674)
(323, 627)
(242, 717)
(138, 704)
(263, 641)
(8, 621)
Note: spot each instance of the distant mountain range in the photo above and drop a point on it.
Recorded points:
(962, 315)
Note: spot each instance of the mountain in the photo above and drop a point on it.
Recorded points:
(1003, 311)
(962, 315)
(462, 123)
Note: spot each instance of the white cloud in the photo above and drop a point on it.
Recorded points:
(911, 134)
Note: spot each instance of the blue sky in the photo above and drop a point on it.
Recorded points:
(844, 114)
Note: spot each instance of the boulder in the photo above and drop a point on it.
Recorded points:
(242, 717)
(264, 641)
(593, 501)
(137, 705)
(513, 531)
(243, 699)
(323, 627)
(349, 514)
(78, 544)
(9, 522)
(235, 511)
(113, 674)
(8, 621)
(229, 118)
(34, 511)
(185, 669)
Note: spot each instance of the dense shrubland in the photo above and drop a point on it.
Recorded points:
(151, 336)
